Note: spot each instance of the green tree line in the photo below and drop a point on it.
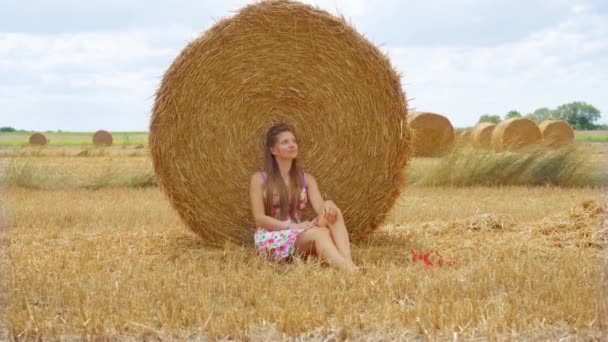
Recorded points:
(580, 115)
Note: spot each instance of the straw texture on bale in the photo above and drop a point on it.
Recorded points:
(482, 134)
(279, 61)
(556, 133)
(432, 134)
(38, 139)
(102, 138)
(515, 134)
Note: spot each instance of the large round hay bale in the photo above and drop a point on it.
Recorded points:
(432, 133)
(279, 61)
(102, 138)
(38, 139)
(515, 134)
(556, 133)
(482, 134)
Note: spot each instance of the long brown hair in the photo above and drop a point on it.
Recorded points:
(274, 181)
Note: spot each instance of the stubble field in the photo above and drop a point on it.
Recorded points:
(91, 248)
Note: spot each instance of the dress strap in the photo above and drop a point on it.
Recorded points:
(263, 175)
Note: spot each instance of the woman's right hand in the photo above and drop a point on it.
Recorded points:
(303, 225)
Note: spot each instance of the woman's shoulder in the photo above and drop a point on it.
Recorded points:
(308, 176)
(257, 177)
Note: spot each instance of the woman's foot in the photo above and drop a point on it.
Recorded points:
(352, 268)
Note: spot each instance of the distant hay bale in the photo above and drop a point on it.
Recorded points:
(463, 136)
(38, 139)
(482, 134)
(515, 134)
(432, 133)
(556, 133)
(279, 61)
(102, 138)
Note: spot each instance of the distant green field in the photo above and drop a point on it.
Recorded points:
(28, 133)
(73, 138)
(71, 142)
(115, 134)
(592, 138)
(141, 138)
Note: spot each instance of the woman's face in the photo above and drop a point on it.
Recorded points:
(286, 146)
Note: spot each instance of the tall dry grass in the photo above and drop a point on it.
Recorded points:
(120, 264)
(579, 165)
(26, 174)
(465, 166)
(27, 151)
(76, 172)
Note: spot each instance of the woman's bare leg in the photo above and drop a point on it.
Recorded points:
(318, 240)
(339, 235)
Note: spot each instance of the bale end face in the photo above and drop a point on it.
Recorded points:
(556, 133)
(433, 134)
(515, 134)
(102, 138)
(38, 139)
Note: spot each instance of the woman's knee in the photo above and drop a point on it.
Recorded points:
(321, 232)
(314, 233)
(322, 221)
(338, 214)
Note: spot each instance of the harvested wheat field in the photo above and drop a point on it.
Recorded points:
(115, 261)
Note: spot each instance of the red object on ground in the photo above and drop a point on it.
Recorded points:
(425, 257)
(446, 262)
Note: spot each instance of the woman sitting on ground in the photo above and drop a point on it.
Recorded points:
(278, 196)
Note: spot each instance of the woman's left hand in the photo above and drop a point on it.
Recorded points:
(330, 211)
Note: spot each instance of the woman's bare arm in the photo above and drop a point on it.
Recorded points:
(314, 194)
(257, 206)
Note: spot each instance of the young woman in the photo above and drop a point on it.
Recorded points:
(278, 196)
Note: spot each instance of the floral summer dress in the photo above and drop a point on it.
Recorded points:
(279, 244)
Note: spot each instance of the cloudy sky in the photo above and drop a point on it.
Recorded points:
(87, 65)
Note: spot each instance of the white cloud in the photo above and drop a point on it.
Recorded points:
(99, 50)
(47, 78)
(546, 69)
(350, 8)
